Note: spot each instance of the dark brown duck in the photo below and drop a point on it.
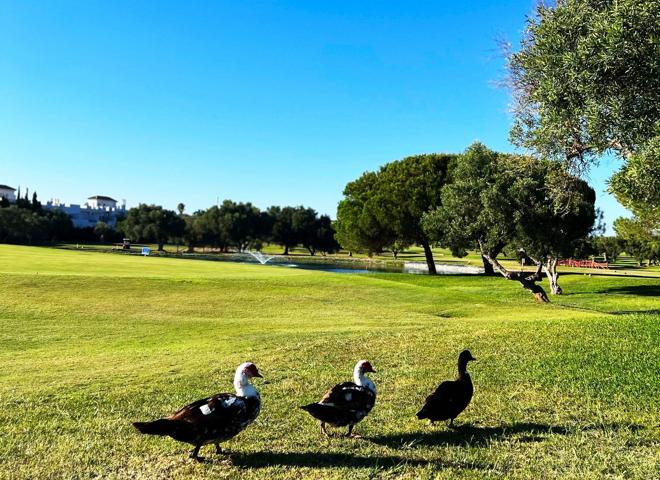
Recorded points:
(346, 403)
(214, 419)
(451, 397)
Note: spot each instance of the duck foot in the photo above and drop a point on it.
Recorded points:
(325, 432)
(194, 454)
(350, 433)
(219, 450)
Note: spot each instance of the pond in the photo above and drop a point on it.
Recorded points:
(357, 267)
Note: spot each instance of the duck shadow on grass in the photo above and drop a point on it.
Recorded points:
(337, 459)
(476, 436)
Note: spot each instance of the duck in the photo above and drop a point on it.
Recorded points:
(451, 397)
(346, 403)
(214, 419)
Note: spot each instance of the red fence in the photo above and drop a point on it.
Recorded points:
(569, 262)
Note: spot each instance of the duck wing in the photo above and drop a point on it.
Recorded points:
(223, 406)
(344, 404)
(218, 417)
(444, 403)
(349, 396)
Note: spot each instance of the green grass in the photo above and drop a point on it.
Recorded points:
(90, 342)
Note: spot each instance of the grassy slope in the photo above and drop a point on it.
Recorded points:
(90, 342)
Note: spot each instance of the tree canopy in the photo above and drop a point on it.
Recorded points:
(637, 185)
(586, 79)
(639, 240)
(502, 200)
(152, 223)
(26, 222)
(384, 209)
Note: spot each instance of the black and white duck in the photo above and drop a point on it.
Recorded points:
(214, 419)
(346, 403)
(451, 397)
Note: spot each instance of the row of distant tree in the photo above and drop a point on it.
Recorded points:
(26, 222)
(231, 225)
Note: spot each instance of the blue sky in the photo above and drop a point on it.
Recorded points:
(261, 101)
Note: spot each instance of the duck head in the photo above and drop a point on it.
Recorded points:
(244, 373)
(361, 368)
(463, 359)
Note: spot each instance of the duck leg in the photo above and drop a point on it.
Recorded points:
(350, 432)
(218, 450)
(194, 453)
(323, 430)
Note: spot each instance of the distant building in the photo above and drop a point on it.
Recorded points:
(99, 201)
(97, 209)
(7, 192)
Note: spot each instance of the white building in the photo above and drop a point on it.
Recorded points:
(99, 201)
(97, 209)
(7, 192)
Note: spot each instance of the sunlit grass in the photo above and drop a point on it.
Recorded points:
(91, 342)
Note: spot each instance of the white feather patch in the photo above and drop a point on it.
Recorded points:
(206, 410)
(229, 401)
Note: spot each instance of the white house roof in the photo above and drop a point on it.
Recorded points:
(7, 187)
(102, 197)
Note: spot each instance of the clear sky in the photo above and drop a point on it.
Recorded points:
(273, 102)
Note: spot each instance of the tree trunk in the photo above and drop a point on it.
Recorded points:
(488, 268)
(493, 253)
(429, 258)
(191, 248)
(160, 247)
(550, 268)
(286, 250)
(528, 282)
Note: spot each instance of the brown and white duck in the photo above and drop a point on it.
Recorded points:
(346, 403)
(451, 397)
(214, 419)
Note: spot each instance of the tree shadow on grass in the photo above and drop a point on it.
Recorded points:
(655, 311)
(480, 436)
(333, 460)
(639, 290)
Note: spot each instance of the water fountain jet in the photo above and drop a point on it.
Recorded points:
(260, 257)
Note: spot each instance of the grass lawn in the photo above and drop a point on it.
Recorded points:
(624, 266)
(91, 342)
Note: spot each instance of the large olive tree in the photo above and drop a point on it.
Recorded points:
(586, 80)
(501, 200)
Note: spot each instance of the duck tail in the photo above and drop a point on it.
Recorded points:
(422, 414)
(157, 427)
(319, 410)
(309, 407)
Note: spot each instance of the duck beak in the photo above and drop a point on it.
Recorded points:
(258, 375)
